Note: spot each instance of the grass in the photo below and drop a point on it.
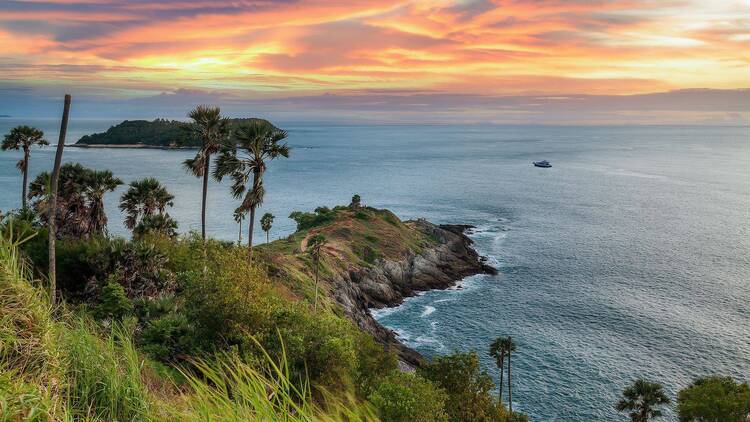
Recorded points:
(59, 366)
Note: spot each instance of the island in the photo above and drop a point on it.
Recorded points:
(158, 133)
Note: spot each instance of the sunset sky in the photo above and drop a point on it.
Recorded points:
(488, 58)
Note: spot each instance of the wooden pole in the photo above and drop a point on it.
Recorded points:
(52, 217)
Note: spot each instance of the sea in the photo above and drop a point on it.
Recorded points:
(629, 258)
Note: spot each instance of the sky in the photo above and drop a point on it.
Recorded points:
(502, 61)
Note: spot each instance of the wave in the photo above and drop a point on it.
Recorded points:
(427, 311)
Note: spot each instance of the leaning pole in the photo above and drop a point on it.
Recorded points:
(52, 217)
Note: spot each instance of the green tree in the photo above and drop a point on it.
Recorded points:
(467, 386)
(257, 143)
(80, 198)
(499, 350)
(213, 131)
(160, 223)
(265, 223)
(642, 400)
(402, 397)
(315, 245)
(238, 217)
(23, 138)
(113, 302)
(714, 399)
(145, 197)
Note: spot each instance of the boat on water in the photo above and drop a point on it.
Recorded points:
(543, 164)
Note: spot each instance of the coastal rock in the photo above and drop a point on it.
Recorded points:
(388, 282)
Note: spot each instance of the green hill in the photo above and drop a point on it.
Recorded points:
(155, 133)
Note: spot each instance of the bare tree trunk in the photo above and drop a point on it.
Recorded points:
(502, 369)
(315, 306)
(510, 389)
(250, 233)
(205, 194)
(53, 201)
(25, 177)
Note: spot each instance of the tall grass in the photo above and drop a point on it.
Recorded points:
(69, 368)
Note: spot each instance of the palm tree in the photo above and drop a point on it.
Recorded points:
(498, 350)
(257, 143)
(23, 138)
(144, 198)
(238, 217)
(52, 212)
(156, 223)
(213, 131)
(509, 348)
(315, 244)
(265, 223)
(100, 183)
(642, 400)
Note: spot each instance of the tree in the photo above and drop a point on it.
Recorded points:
(356, 202)
(100, 182)
(403, 397)
(315, 244)
(499, 350)
(52, 212)
(213, 131)
(510, 347)
(265, 223)
(144, 198)
(714, 399)
(642, 399)
(257, 142)
(160, 223)
(80, 197)
(23, 138)
(238, 217)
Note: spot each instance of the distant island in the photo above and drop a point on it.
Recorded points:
(4, 115)
(158, 133)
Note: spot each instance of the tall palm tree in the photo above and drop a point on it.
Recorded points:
(213, 131)
(23, 138)
(145, 197)
(265, 223)
(238, 217)
(642, 400)
(100, 183)
(315, 244)
(498, 350)
(257, 142)
(510, 347)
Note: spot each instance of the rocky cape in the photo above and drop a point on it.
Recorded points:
(388, 282)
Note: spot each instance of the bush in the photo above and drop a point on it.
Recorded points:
(308, 220)
(409, 398)
(168, 338)
(372, 362)
(714, 399)
(113, 303)
(468, 388)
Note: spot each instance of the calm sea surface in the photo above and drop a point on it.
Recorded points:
(630, 257)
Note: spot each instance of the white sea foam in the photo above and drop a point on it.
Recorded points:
(427, 311)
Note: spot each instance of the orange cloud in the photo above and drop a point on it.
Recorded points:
(455, 46)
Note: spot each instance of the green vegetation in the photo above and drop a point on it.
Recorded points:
(266, 222)
(145, 200)
(213, 132)
(23, 138)
(642, 400)
(714, 399)
(257, 143)
(409, 398)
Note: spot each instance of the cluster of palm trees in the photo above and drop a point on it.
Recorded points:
(501, 348)
(242, 155)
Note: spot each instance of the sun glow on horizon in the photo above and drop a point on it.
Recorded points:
(452, 46)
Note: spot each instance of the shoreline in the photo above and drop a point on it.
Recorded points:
(129, 146)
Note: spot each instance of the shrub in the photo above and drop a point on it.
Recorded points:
(113, 303)
(409, 398)
(308, 220)
(714, 399)
(468, 388)
(372, 362)
(168, 338)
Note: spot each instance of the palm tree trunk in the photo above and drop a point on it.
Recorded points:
(510, 388)
(250, 233)
(315, 306)
(53, 200)
(502, 369)
(25, 177)
(205, 194)
(239, 237)
(267, 239)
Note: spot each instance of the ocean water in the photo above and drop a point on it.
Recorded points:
(630, 257)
